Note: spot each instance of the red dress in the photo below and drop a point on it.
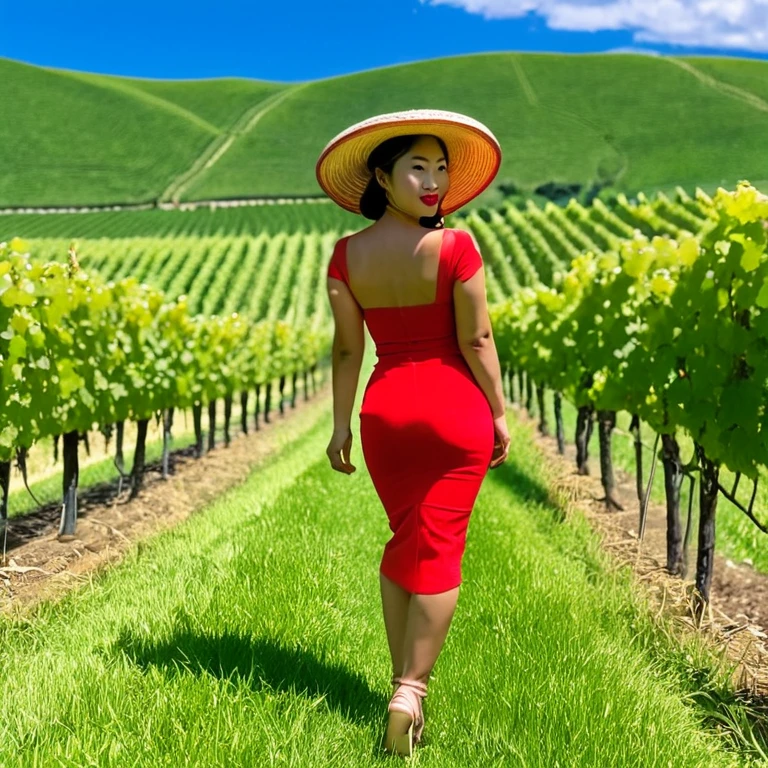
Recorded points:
(426, 426)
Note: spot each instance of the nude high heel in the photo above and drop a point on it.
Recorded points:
(396, 680)
(406, 720)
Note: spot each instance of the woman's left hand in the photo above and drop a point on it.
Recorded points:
(339, 450)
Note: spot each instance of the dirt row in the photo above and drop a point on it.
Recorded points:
(39, 565)
(733, 626)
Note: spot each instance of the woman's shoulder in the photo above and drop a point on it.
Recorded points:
(466, 236)
(461, 237)
(361, 235)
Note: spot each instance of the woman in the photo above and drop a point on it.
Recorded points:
(432, 420)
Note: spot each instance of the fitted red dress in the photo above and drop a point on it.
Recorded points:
(426, 426)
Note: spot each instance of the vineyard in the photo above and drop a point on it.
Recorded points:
(215, 220)
(250, 310)
(669, 329)
(650, 309)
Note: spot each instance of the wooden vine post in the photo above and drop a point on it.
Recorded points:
(543, 426)
(167, 427)
(559, 427)
(244, 411)
(708, 487)
(197, 419)
(673, 479)
(634, 428)
(139, 457)
(584, 425)
(606, 421)
(68, 522)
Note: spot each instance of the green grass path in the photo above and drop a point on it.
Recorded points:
(252, 635)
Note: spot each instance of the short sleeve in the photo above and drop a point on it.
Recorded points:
(467, 259)
(335, 266)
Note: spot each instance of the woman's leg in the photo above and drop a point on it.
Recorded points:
(395, 601)
(429, 618)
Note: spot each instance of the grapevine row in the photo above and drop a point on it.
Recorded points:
(673, 330)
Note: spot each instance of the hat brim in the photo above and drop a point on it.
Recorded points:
(473, 151)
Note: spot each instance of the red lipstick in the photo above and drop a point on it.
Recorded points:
(429, 199)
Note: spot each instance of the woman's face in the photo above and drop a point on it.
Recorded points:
(422, 171)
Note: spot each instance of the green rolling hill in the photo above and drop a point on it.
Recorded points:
(79, 138)
(641, 122)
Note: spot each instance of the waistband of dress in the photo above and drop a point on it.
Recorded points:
(418, 356)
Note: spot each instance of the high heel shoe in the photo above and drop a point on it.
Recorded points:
(396, 680)
(406, 720)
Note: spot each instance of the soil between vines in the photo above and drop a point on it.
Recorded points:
(735, 624)
(107, 526)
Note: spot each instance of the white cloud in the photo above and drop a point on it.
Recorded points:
(707, 23)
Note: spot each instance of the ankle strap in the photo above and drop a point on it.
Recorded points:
(416, 684)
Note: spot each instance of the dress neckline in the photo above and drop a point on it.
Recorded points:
(440, 260)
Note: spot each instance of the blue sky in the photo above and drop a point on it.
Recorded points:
(299, 40)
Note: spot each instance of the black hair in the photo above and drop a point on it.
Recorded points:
(373, 202)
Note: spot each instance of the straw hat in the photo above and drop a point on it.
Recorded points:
(474, 155)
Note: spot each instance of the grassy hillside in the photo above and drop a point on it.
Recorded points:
(219, 102)
(643, 122)
(747, 74)
(77, 138)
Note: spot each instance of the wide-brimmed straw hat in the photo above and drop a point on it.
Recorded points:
(474, 154)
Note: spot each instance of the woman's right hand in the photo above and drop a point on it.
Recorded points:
(501, 444)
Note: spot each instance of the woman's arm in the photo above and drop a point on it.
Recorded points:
(347, 351)
(475, 336)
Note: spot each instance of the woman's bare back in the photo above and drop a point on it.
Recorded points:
(393, 269)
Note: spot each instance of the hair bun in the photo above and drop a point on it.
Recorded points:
(432, 222)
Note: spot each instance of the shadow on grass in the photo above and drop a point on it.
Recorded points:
(527, 488)
(265, 662)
